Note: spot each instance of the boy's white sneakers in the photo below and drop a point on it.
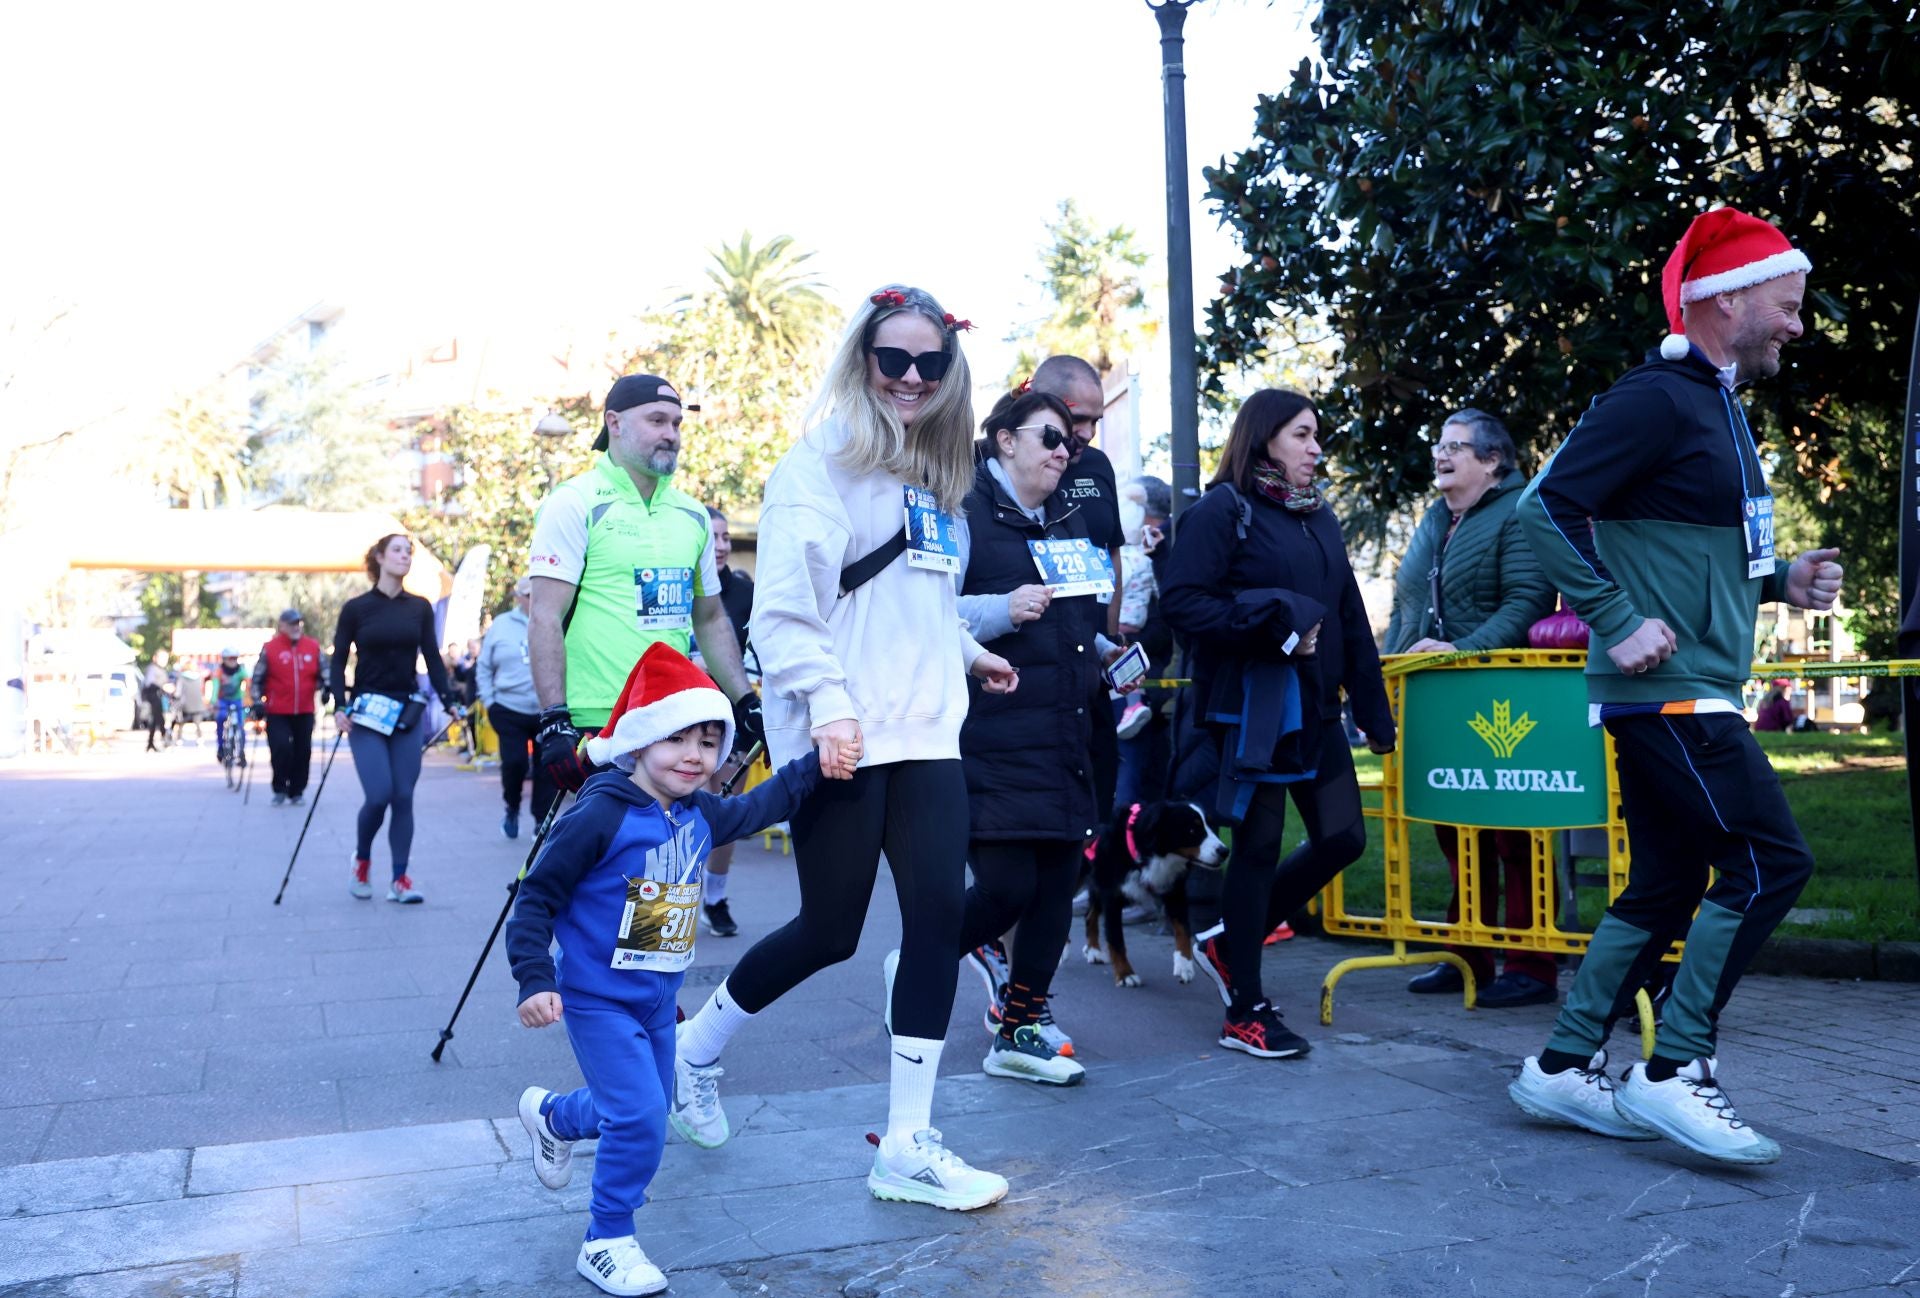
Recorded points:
(1690, 1108)
(926, 1171)
(619, 1266)
(696, 1113)
(552, 1156)
(1580, 1097)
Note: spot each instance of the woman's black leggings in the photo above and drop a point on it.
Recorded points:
(916, 812)
(1030, 881)
(388, 767)
(1258, 894)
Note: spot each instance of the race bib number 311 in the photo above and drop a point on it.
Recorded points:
(663, 598)
(656, 926)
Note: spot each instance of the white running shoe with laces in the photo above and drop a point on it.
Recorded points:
(358, 884)
(1579, 1097)
(1051, 1032)
(1691, 1109)
(1028, 1058)
(696, 1112)
(552, 1156)
(619, 1266)
(928, 1172)
(402, 891)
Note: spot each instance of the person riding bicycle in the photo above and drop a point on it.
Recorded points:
(230, 704)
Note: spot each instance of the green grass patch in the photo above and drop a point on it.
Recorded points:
(1848, 792)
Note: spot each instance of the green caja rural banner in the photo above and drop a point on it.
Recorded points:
(1502, 747)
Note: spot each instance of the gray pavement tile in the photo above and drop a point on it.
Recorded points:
(246, 1066)
(347, 1156)
(1301, 1089)
(214, 969)
(215, 1277)
(423, 1014)
(431, 1094)
(437, 1200)
(72, 975)
(27, 1041)
(24, 1130)
(123, 1003)
(249, 1030)
(190, 1119)
(98, 1074)
(145, 1234)
(69, 1185)
(271, 994)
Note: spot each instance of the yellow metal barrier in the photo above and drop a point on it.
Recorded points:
(1501, 743)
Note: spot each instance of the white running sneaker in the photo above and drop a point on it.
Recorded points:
(696, 1113)
(1690, 1108)
(1051, 1032)
(888, 968)
(928, 1172)
(619, 1266)
(1029, 1058)
(552, 1156)
(1580, 1097)
(359, 885)
(402, 891)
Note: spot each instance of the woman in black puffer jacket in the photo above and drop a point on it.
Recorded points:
(1259, 587)
(1029, 784)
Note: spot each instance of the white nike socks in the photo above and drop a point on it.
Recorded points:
(916, 1062)
(706, 1034)
(716, 887)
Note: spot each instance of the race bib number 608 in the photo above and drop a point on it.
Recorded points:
(663, 598)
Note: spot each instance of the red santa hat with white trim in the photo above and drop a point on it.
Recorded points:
(664, 694)
(1722, 250)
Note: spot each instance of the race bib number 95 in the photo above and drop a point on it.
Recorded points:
(663, 598)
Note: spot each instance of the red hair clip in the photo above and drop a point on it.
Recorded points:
(951, 323)
(888, 297)
(1025, 386)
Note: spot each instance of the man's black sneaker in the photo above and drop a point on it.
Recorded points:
(279, 799)
(720, 919)
(1259, 1031)
(510, 825)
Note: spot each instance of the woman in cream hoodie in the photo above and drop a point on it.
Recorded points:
(886, 462)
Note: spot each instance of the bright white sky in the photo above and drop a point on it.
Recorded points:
(187, 177)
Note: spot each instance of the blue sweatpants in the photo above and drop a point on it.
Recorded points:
(626, 1053)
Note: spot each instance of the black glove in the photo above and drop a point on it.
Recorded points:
(258, 711)
(556, 746)
(749, 726)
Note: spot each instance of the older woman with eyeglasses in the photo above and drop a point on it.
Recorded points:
(1025, 754)
(1470, 581)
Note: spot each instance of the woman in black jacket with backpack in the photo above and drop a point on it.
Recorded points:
(1260, 589)
(1025, 753)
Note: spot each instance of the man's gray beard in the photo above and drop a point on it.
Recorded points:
(660, 469)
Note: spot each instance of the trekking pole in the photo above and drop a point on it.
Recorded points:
(753, 755)
(311, 808)
(246, 780)
(513, 889)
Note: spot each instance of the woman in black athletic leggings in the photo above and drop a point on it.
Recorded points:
(387, 628)
(1259, 585)
(885, 667)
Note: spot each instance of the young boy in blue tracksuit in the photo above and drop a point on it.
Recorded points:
(617, 888)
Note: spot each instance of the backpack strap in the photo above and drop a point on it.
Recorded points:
(865, 569)
(1242, 511)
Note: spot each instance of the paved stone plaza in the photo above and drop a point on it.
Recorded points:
(208, 1095)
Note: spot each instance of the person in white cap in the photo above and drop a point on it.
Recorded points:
(1655, 520)
(617, 889)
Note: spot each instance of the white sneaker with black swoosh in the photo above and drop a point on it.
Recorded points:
(696, 1112)
(926, 1171)
(619, 1266)
(552, 1156)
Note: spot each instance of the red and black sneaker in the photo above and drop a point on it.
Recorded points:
(1212, 947)
(1260, 1032)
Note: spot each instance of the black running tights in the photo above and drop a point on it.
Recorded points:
(916, 812)
(1258, 893)
(1031, 882)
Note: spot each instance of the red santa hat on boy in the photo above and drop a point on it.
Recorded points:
(664, 694)
(1722, 250)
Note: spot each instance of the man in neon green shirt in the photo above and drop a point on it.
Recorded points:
(621, 560)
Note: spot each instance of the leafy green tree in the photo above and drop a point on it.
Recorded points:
(772, 293)
(503, 470)
(322, 442)
(1099, 304)
(1477, 200)
(164, 605)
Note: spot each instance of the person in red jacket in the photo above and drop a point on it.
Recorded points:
(284, 681)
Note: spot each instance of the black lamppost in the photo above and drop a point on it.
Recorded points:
(1183, 387)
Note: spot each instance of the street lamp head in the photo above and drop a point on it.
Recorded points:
(553, 424)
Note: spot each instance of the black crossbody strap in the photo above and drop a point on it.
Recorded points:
(861, 571)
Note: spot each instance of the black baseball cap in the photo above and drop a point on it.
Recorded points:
(630, 390)
(291, 615)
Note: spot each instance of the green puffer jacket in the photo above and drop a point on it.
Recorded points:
(1492, 588)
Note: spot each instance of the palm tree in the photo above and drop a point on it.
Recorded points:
(1099, 304)
(768, 289)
